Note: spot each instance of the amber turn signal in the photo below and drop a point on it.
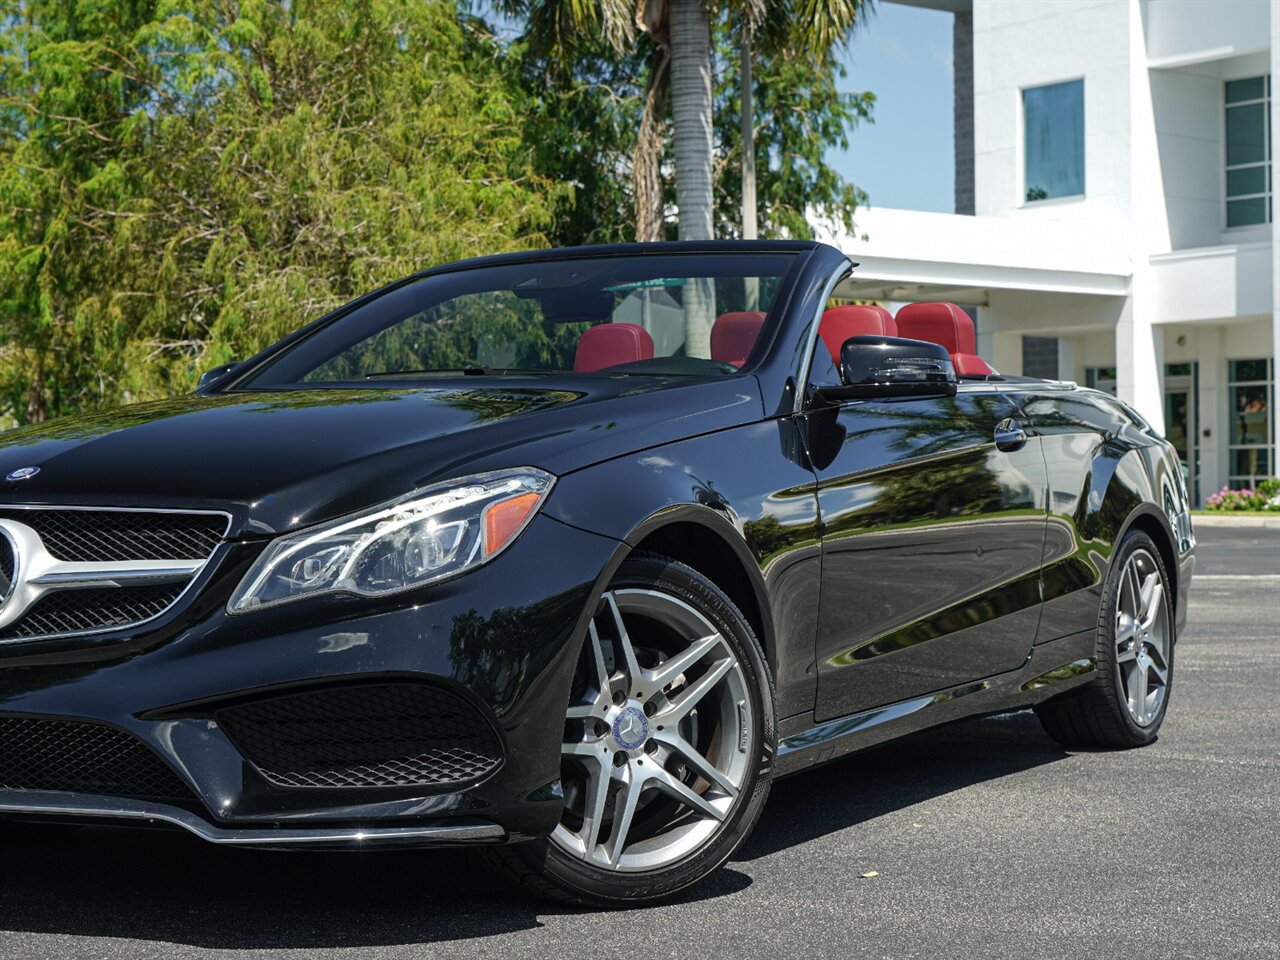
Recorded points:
(503, 520)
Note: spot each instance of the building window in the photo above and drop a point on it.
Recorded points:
(1053, 129)
(1040, 357)
(1101, 378)
(1251, 399)
(1248, 151)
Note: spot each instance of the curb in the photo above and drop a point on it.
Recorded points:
(1227, 519)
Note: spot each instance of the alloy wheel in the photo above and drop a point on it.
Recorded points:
(1142, 638)
(657, 735)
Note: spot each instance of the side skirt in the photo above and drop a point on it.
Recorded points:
(1052, 668)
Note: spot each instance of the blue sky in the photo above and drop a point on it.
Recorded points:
(905, 158)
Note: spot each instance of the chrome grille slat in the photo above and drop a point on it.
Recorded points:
(75, 570)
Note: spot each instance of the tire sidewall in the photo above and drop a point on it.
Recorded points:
(595, 885)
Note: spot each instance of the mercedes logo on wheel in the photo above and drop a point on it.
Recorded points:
(631, 728)
(22, 473)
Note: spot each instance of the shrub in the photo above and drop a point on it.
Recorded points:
(1266, 497)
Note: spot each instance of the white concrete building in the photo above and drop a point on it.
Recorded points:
(1115, 162)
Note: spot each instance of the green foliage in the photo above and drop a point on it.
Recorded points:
(183, 181)
(580, 121)
(588, 99)
(800, 113)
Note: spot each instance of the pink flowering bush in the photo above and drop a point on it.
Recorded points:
(1266, 497)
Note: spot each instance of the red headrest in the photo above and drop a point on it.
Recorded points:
(943, 323)
(840, 323)
(612, 344)
(947, 324)
(734, 334)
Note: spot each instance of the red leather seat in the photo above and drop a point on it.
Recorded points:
(612, 344)
(947, 324)
(734, 334)
(840, 323)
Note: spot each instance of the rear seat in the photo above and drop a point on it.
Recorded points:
(610, 345)
(840, 323)
(948, 325)
(734, 334)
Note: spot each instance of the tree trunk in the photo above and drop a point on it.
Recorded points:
(691, 109)
(646, 165)
(691, 103)
(749, 226)
(37, 407)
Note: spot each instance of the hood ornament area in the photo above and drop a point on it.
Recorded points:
(22, 473)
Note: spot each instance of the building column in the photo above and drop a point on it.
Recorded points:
(1275, 246)
(1067, 358)
(962, 109)
(1138, 354)
(1213, 427)
(1139, 348)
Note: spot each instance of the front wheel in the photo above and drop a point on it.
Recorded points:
(667, 746)
(1125, 704)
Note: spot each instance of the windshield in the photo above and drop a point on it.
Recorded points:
(681, 314)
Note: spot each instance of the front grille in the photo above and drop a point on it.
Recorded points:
(99, 608)
(370, 735)
(69, 756)
(110, 543)
(113, 535)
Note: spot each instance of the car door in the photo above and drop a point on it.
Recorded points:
(932, 538)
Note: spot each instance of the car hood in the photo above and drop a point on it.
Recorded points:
(282, 460)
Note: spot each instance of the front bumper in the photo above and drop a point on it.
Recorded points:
(502, 637)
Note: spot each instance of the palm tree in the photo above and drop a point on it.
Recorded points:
(681, 69)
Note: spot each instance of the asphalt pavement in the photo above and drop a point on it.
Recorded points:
(988, 840)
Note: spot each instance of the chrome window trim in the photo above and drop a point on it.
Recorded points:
(807, 362)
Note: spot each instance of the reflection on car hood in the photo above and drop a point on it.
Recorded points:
(287, 459)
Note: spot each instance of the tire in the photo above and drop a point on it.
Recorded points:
(1135, 652)
(621, 740)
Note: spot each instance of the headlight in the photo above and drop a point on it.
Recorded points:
(429, 535)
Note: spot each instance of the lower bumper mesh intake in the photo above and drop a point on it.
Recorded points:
(75, 757)
(367, 735)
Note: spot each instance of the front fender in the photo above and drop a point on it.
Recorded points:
(746, 486)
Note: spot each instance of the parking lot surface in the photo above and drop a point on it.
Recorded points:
(988, 840)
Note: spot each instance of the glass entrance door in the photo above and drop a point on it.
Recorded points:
(1180, 422)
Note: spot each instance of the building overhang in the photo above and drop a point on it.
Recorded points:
(913, 255)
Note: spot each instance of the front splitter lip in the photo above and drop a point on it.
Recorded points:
(90, 807)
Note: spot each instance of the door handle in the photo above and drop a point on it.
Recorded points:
(1010, 436)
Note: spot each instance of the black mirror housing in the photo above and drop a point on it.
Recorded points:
(212, 376)
(875, 366)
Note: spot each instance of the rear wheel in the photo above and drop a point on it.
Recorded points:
(1125, 704)
(667, 744)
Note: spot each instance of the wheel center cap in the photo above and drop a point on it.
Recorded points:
(630, 728)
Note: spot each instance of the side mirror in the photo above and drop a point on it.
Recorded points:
(212, 376)
(873, 366)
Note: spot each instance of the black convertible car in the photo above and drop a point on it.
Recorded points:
(567, 555)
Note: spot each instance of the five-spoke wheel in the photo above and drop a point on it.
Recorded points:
(1125, 703)
(1142, 637)
(666, 747)
(655, 745)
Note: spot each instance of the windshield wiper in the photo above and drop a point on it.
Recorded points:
(474, 370)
